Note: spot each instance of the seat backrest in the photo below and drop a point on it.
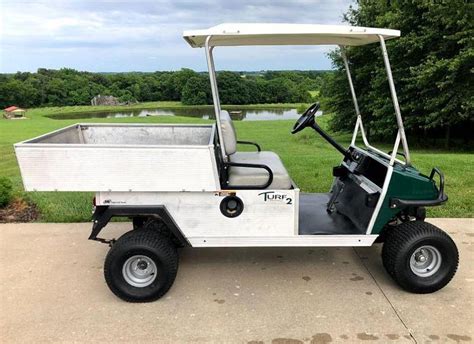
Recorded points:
(229, 136)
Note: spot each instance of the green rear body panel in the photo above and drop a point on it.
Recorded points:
(406, 183)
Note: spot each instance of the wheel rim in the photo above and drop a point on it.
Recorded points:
(425, 261)
(139, 271)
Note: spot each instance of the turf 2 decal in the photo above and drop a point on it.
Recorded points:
(272, 196)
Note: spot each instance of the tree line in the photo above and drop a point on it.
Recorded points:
(432, 64)
(63, 87)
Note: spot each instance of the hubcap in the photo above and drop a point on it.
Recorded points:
(139, 271)
(425, 261)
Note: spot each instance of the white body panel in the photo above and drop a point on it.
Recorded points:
(290, 241)
(263, 223)
(197, 214)
(173, 166)
(128, 157)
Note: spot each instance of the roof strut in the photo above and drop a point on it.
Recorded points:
(401, 129)
(354, 100)
(215, 93)
(351, 85)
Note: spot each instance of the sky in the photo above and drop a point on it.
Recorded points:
(120, 36)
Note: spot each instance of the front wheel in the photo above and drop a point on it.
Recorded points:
(420, 257)
(141, 266)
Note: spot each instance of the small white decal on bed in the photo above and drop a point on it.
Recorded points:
(109, 201)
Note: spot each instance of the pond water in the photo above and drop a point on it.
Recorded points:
(260, 114)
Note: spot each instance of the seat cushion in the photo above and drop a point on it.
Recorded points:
(229, 136)
(239, 176)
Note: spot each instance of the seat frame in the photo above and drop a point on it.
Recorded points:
(223, 168)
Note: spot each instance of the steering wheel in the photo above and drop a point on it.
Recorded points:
(306, 119)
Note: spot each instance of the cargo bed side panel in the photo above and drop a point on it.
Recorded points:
(133, 168)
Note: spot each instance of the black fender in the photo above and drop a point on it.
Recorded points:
(103, 214)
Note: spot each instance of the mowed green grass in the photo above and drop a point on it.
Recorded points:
(307, 157)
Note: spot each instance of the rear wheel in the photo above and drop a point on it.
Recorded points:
(157, 225)
(420, 257)
(141, 266)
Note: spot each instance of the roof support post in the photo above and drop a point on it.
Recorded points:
(401, 129)
(351, 85)
(354, 100)
(215, 93)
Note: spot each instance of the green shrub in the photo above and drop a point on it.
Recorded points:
(5, 191)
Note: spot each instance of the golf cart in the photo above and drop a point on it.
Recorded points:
(189, 185)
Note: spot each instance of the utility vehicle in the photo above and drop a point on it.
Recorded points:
(189, 185)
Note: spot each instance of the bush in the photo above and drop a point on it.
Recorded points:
(5, 191)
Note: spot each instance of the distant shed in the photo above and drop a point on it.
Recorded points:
(13, 112)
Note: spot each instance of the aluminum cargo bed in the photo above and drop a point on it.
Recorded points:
(120, 157)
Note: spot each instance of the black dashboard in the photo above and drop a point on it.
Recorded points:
(358, 185)
(364, 164)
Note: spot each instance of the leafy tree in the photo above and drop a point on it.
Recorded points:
(196, 91)
(176, 82)
(232, 88)
(432, 64)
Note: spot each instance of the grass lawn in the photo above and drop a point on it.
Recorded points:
(307, 157)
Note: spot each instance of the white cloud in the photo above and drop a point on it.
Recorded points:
(146, 35)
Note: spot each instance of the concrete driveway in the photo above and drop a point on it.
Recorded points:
(52, 290)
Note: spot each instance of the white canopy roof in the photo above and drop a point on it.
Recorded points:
(234, 34)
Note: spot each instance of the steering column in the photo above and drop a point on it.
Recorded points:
(307, 119)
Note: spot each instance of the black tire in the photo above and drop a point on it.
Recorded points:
(403, 241)
(157, 249)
